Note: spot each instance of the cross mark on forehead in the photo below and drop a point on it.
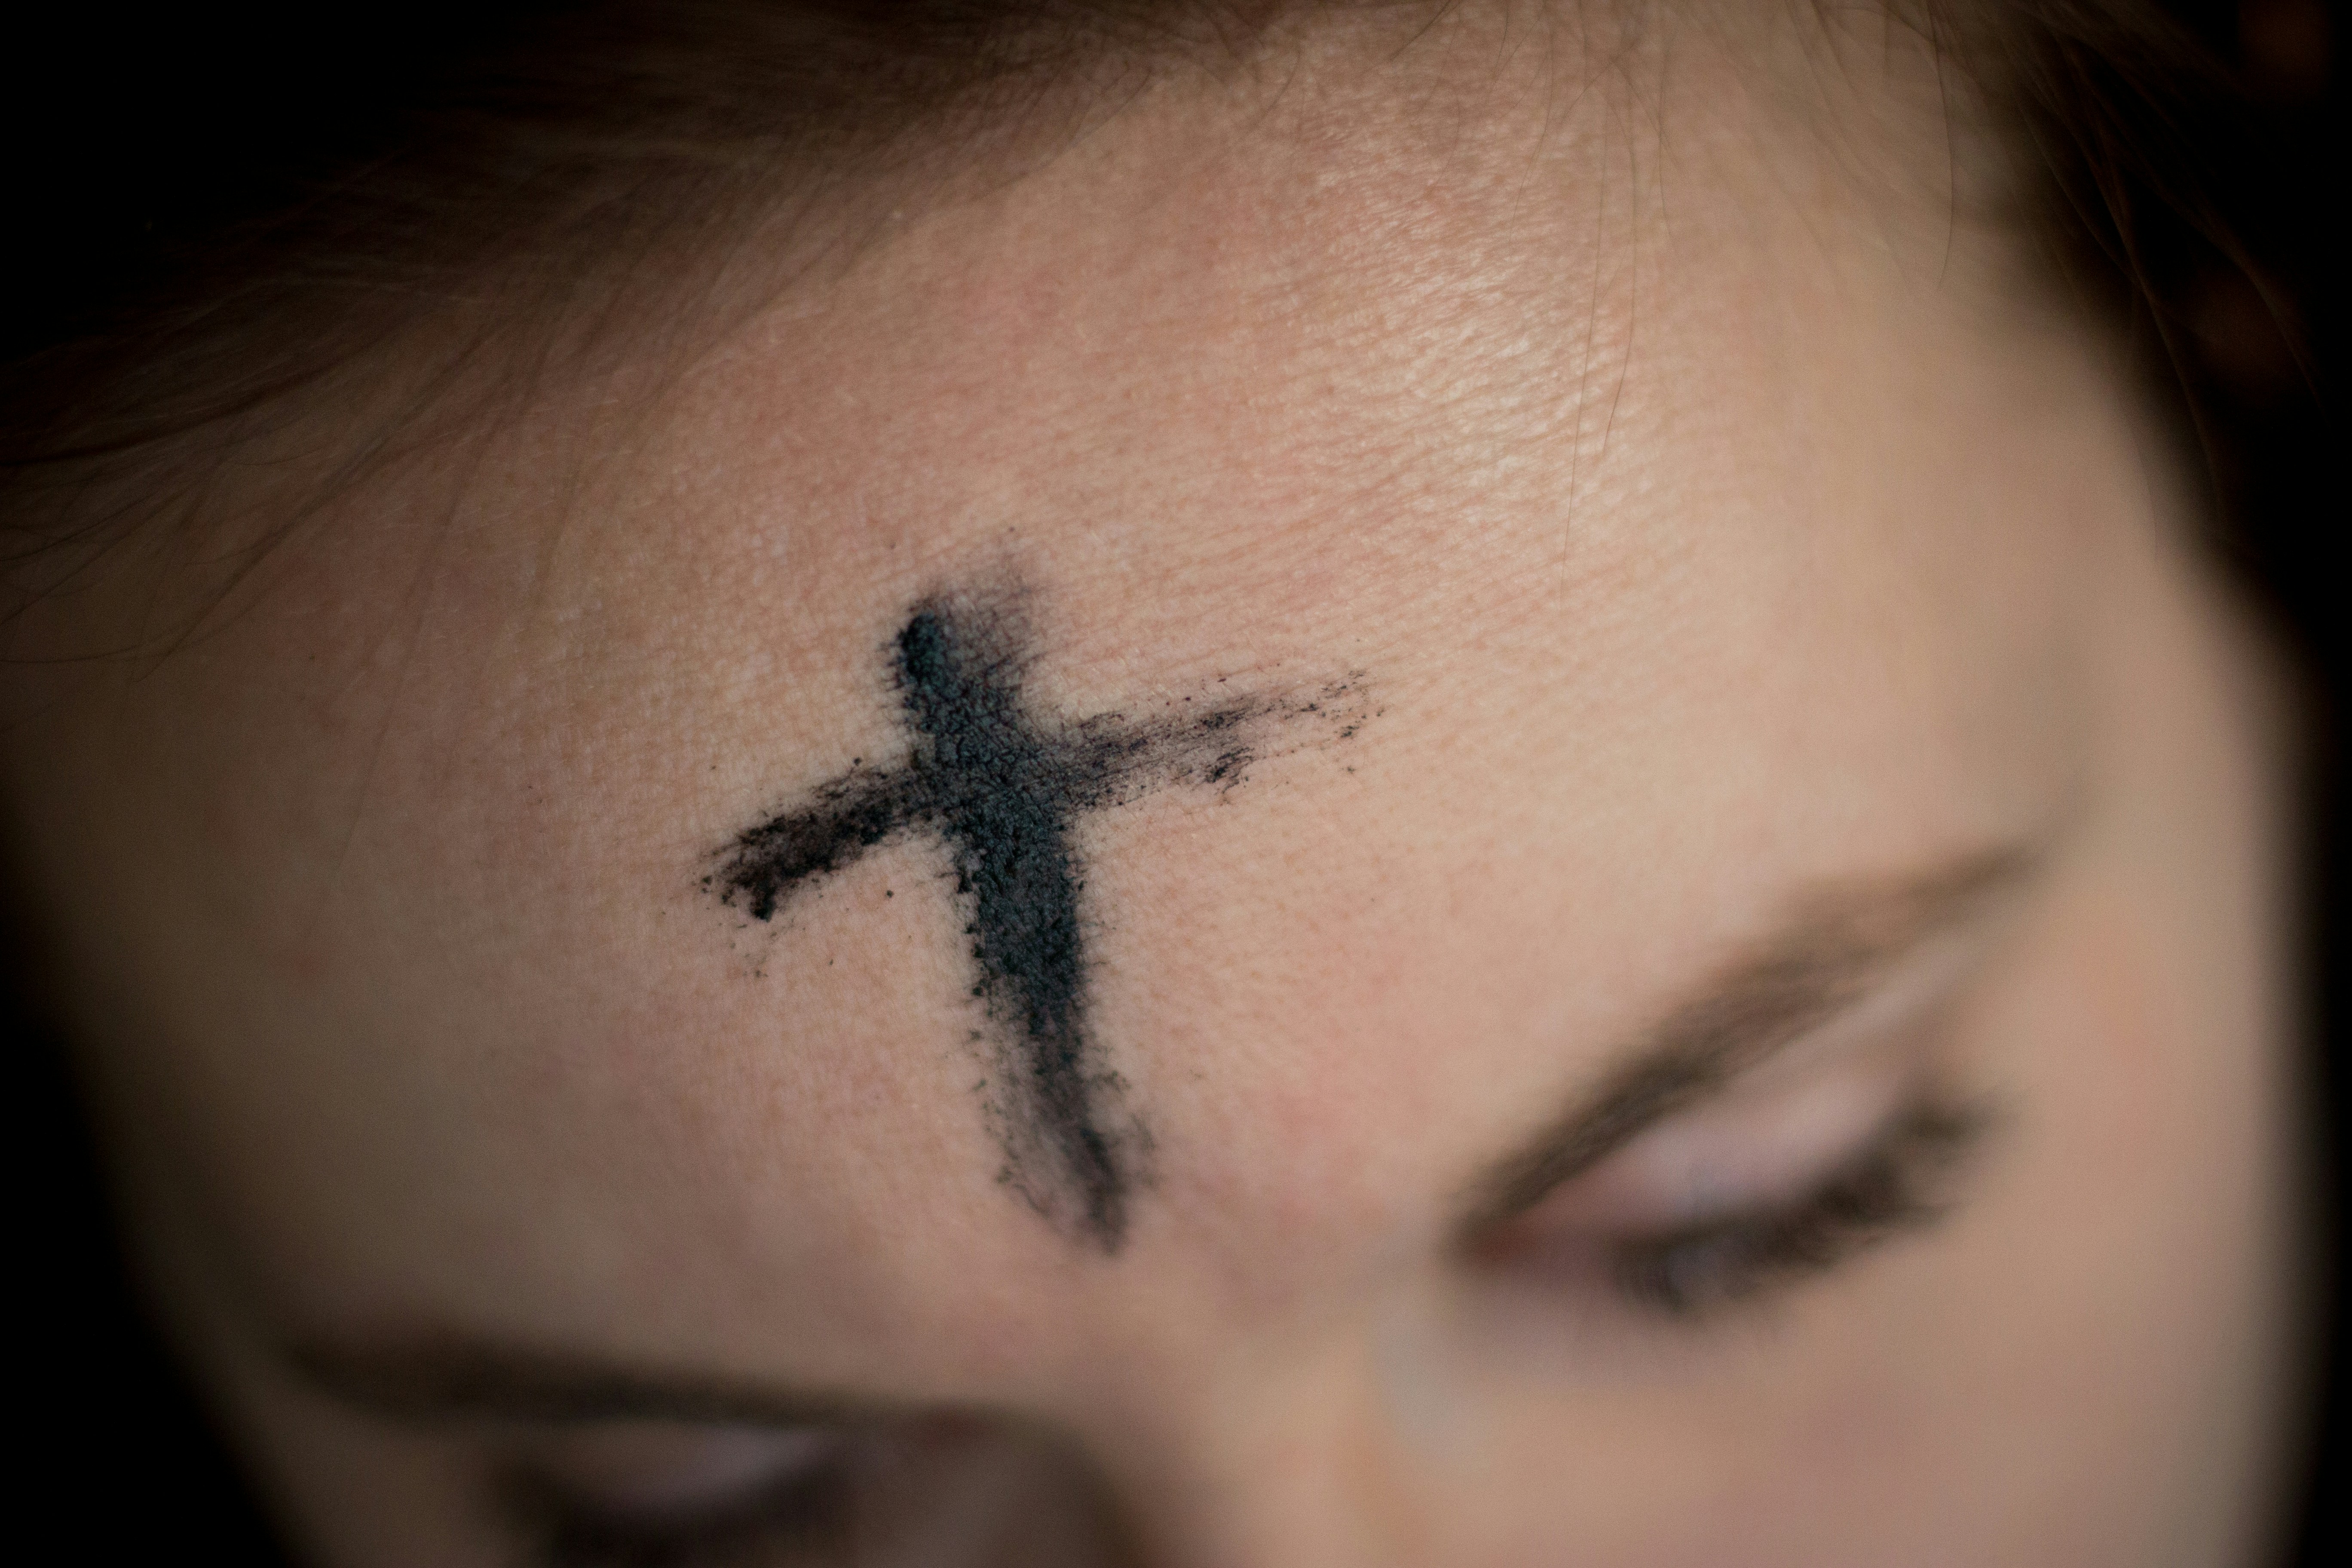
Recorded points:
(1004, 786)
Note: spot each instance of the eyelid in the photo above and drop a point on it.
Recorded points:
(652, 1473)
(879, 1491)
(1900, 1181)
(1754, 1152)
(1794, 1120)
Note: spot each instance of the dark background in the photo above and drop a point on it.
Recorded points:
(124, 126)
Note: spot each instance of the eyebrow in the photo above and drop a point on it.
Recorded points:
(442, 1376)
(1836, 947)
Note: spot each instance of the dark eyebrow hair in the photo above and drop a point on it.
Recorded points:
(1839, 943)
(445, 1376)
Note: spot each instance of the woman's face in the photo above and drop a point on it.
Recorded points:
(1463, 805)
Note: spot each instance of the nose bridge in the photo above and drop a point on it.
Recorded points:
(1284, 1459)
(1259, 1417)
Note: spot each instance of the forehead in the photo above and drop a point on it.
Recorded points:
(1655, 516)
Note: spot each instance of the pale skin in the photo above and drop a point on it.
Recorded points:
(1726, 534)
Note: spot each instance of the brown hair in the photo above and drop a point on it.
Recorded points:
(212, 228)
(224, 232)
(211, 216)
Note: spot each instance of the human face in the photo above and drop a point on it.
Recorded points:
(1739, 765)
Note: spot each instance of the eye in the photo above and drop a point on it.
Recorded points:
(687, 1496)
(1902, 1182)
(928, 1492)
(1724, 1205)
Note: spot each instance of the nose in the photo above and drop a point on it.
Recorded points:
(1300, 1465)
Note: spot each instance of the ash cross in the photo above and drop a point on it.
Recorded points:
(1003, 788)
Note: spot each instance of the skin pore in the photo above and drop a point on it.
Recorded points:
(1815, 791)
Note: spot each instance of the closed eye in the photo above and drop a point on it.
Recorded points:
(1903, 1181)
(794, 1507)
(943, 1489)
(1695, 1220)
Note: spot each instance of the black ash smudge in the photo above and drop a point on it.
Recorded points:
(1003, 786)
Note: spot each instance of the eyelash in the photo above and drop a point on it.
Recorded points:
(801, 1515)
(1899, 1184)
